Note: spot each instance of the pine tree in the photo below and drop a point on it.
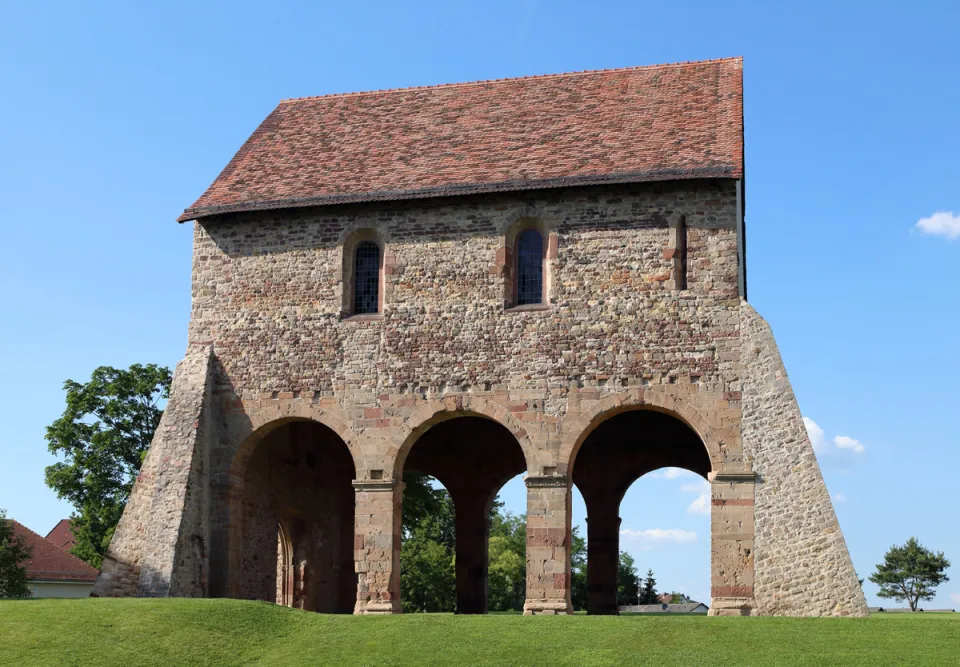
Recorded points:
(649, 593)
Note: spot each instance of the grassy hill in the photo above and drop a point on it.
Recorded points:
(230, 632)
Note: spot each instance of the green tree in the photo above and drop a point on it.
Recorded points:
(103, 436)
(507, 555)
(649, 593)
(910, 573)
(628, 581)
(427, 573)
(13, 554)
(578, 569)
(506, 576)
(428, 578)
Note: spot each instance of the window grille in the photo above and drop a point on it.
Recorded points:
(366, 279)
(529, 268)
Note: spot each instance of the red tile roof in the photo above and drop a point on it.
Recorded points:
(50, 562)
(652, 123)
(62, 535)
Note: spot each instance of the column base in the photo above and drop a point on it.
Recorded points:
(731, 606)
(378, 608)
(547, 608)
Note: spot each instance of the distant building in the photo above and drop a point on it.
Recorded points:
(62, 535)
(51, 571)
(666, 608)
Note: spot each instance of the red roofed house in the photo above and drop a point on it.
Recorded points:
(62, 535)
(51, 571)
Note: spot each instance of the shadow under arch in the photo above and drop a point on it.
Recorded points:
(436, 412)
(473, 456)
(589, 420)
(290, 505)
(624, 444)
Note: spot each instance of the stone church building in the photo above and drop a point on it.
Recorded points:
(544, 275)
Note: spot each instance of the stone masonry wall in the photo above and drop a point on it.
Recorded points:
(267, 291)
(802, 567)
(159, 547)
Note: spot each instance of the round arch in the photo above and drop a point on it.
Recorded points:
(434, 412)
(577, 432)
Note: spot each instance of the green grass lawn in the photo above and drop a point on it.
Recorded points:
(230, 632)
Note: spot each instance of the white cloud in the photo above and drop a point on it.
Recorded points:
(660, 535)
(816, 434)
(941, 223)
(839, 498)
(955, 597)
(837, 446)
(675, 473)
(846, 442)
(702, 504)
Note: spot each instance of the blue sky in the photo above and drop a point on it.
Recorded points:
(115, 116)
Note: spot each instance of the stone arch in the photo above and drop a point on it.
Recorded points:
(258, 426)
(434, 412)
(265, 420)
(579, 429)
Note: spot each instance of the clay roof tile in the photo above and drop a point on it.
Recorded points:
(660, 122)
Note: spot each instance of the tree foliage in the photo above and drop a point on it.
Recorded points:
(628, 581)
(103, 436)
(910, 572)
(428, 553)
(507, 557)
(649, 593)
(578, 569)
(13, 554)
(427, 571)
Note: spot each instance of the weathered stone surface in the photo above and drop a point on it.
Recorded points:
(802, 564)
(616, 333)
(160, 545)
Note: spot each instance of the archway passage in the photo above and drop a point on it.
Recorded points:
(294, 513)
(473, 457)
(617, 452)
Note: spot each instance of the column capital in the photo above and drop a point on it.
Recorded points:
(377, 485)
(546, 481)
(733, 477)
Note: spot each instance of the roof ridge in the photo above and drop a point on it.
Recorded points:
(479, 82)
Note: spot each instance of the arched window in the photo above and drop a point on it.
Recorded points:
(529, 250)
(366, 278)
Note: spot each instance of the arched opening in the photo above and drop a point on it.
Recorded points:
(472, 457)
(618, 451)
(292, 519)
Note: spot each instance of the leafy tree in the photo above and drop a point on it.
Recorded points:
(427, 573)
(13, 554)
(507, 555)
(628, 581)
(910, 573)
(428, 578)
(578, 569)
(103, 436)
(649, 593)
(506, 576)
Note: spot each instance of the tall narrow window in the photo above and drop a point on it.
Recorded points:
(529, 267)
(366, 278)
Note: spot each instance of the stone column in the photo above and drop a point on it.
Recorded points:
(376, 546)
(548, 545)
(603, 557)
(472, 533)
(731, 543)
